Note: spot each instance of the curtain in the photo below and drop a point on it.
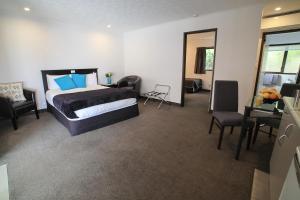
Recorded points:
(200, 60)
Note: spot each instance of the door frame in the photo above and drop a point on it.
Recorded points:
(263, 40)
(185, 34)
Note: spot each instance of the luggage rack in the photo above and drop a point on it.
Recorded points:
(160, 92)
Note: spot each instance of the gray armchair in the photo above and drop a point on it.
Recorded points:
(131, 82)
(12, 110)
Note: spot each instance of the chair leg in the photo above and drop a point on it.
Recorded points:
(36, 113)
(231, 130)
(257, 125)
(211, 125)
(14, 122)
(221, 137)
(250, 131)
(270, 132)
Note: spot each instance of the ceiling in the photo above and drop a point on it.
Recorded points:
(123, 15)
(286, 6)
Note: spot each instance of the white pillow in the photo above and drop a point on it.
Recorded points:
(91, 79)
(14, 91)
(5, 90)
(52, 85)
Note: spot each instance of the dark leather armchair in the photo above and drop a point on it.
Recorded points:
(12, 110)
(131, 82)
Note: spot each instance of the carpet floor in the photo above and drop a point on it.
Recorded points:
(161, 154)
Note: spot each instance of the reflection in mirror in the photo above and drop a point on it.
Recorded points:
(280, 63)
(199, 66)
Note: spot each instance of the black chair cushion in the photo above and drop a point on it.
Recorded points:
(22, 104)
(229, 118)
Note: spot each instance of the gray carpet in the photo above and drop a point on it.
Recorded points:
(161, 154)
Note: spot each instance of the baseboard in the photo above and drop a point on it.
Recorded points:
(42, 110)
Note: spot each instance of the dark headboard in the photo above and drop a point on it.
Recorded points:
(65, 71)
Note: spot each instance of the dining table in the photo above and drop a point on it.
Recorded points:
(254, 109)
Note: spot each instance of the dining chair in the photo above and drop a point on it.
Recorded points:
(225, 107)
(273, 120)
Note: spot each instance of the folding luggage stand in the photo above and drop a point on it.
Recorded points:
(158, 94)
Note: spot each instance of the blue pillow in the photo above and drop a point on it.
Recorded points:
(65, 82)
(79, 80)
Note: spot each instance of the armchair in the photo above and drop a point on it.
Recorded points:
(132, 82)
(12, 110)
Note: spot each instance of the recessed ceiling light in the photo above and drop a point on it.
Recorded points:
(276, 17)
(27, 9)
(277, 9)
(195, 15)
(108, 26)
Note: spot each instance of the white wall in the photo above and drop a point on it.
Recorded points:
(193, 42)
(28, 46)
(155, 53)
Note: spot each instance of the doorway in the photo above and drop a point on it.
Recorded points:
(199, 52)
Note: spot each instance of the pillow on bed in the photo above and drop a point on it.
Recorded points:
(91, 79)
(52, 85)
(79, 80)
(65, 82)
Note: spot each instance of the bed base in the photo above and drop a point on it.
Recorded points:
(92, 123)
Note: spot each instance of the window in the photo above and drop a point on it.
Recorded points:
(209, 60)
(281, 59)
(204, 60)
(292, 61)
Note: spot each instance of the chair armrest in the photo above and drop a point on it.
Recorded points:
(6, 109)
(29, 95)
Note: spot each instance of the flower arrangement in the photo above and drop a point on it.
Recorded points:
(108, 74)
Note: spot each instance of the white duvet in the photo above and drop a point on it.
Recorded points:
(93, 110)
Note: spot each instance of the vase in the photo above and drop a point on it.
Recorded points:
(108, 80)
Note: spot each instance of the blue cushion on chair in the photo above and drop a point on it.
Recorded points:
(79, 80)
(65, 82)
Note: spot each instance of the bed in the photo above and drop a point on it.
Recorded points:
(101, 112)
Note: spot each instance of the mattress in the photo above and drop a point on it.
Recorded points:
(93, 110)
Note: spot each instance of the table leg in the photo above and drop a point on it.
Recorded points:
(250, 131)
(239, 146)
